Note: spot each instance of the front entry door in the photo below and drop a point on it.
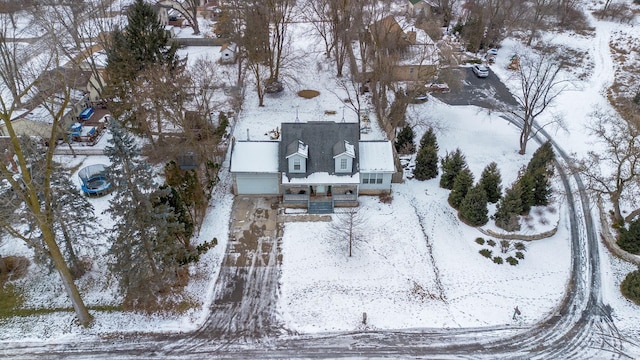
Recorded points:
(320, 190)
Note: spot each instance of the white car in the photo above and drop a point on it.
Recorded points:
(480, 70)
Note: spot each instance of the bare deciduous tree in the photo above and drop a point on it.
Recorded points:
(539, 86)
(348, 226)
(24, 78)
(615, 171)
(187, 8)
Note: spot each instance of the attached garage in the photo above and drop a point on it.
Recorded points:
(257, 184)
(254, 165)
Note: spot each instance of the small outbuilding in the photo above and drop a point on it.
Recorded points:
(228, 53)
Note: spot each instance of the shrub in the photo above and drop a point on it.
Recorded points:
(491, 243)
(461, 185)
(509, 209)
(629, 239)
(404, 141)
(520, 255)
(486, 253)
(426, 163)
(498, 260)
(452, 164)
(504, 246)
(630, 286)
(491, 181)
(527, 197)
(480, 241)
(512, 261)
(520, 246)
(473, 208)
(429, 139)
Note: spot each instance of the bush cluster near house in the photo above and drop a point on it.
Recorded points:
(514, 251)
(471, 200)
(531, 189)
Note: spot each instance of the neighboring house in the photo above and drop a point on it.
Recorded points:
(417, 6)
(36, 120)
(413, 53)
(316, 165)
(228, 53)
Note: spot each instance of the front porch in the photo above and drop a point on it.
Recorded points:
(320, 199)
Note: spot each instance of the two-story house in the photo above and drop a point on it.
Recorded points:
(317, 165)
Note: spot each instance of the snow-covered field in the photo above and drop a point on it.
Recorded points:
(415, 265)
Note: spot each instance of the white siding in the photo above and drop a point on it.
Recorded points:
(294, 159)
(338, 161)
(375, 182)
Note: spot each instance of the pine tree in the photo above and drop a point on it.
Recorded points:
(75, 221)
(404, 141)
(429, 139)
(452, 164)
(461, 185)
(509, 209)
(491, 182)
(473, 209)
(426, 163)
(542, 158)
(141, 43)
(629, 239)
(541, 188)
(146, 253)
(527, 196)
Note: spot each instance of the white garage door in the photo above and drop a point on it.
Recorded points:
(259, 184)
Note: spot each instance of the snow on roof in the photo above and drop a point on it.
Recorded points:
(376, 156)
(255, 156)
(344, 148)
(300, 148)
(322, 178)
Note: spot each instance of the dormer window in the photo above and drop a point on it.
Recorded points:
(296, 164)
(343, 164)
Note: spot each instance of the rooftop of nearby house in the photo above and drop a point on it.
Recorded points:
(321, 140)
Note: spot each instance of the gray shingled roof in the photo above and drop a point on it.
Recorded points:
(320, 136)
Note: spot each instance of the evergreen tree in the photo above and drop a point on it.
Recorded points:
(141, 43)
(527, 195)
(429, 139)
(404, 141)
(491, 182)
(146, 253)
(452, 164)
(541, 188)
(473, 209)
(629, 239)
(461, 185)
(542, 158)
(426, 163)
(75, 222)
(509, 209)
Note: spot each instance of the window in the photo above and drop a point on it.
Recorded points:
(343, 164)
(296, 164)
(371, 178)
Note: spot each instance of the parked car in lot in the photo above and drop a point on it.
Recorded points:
(480, 70)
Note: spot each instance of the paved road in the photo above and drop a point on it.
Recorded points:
(487, 92)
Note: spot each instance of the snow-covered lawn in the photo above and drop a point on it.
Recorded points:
(397, 280)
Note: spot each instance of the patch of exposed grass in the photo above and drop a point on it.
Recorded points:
(10, 300)
(308, 94)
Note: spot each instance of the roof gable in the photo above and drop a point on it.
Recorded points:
(344, 148)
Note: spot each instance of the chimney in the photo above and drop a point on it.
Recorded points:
(248, 138)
